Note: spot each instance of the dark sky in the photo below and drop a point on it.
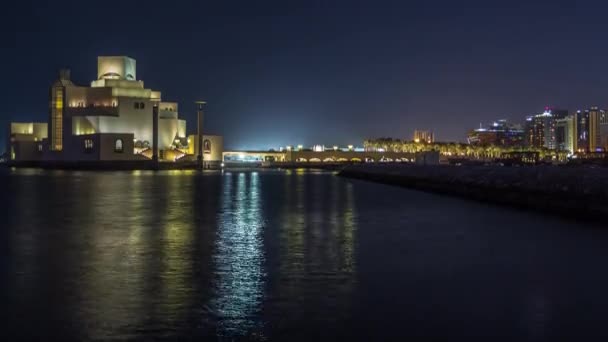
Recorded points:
(307, 72)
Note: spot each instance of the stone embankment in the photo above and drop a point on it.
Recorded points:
(578, 192)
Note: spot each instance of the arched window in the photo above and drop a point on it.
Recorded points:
(207, 146)
(142, 105)
(118, 146)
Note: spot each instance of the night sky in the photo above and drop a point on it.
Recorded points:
(329, 72)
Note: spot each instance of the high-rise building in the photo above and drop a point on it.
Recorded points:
(557, 113)
(565, 133)
(582, 131)
(540, 130)
(604, 130)
(424, 136)
(595, 142)
(529, 131)
(499, 133)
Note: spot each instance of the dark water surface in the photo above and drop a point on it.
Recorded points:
(285, 255)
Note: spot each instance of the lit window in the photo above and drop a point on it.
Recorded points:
(111, 75)
(118, 146)
(39, 147)
(88, 144)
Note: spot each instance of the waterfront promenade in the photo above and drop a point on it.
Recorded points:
(580, 192)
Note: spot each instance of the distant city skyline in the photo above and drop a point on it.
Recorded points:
(277, 74)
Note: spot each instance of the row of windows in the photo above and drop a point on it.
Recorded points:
(118, 145)
(139, 105)
(83, 105)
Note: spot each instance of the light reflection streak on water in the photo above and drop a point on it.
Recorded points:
(176, 269)
(239, 257)
(115, 275)
(348, 238)
(318, 224)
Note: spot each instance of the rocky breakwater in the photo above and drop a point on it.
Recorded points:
(578, 192)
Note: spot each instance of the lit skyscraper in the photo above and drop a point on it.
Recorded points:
(565, 133)
(595, 116)
(582, 131)
(424, 136)
(603, 130)
(540, 130)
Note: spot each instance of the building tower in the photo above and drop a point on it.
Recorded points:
(565, 134)
(541, 130)
(595, 142)
(604, 130)
(582, 131)
(424, 136)
(56, 110)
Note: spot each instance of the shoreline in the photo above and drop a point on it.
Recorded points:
(133, 165)
(579, 193)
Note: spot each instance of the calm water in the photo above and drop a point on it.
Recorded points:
(285, 255)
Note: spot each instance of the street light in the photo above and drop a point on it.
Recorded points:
(199, 132)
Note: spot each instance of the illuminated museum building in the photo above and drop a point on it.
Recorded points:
(113, 119)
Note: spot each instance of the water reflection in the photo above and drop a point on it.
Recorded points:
(137, 254)
(282, 256)
(137, 269)
(316, 225)
(116, 227)
(239, 256)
